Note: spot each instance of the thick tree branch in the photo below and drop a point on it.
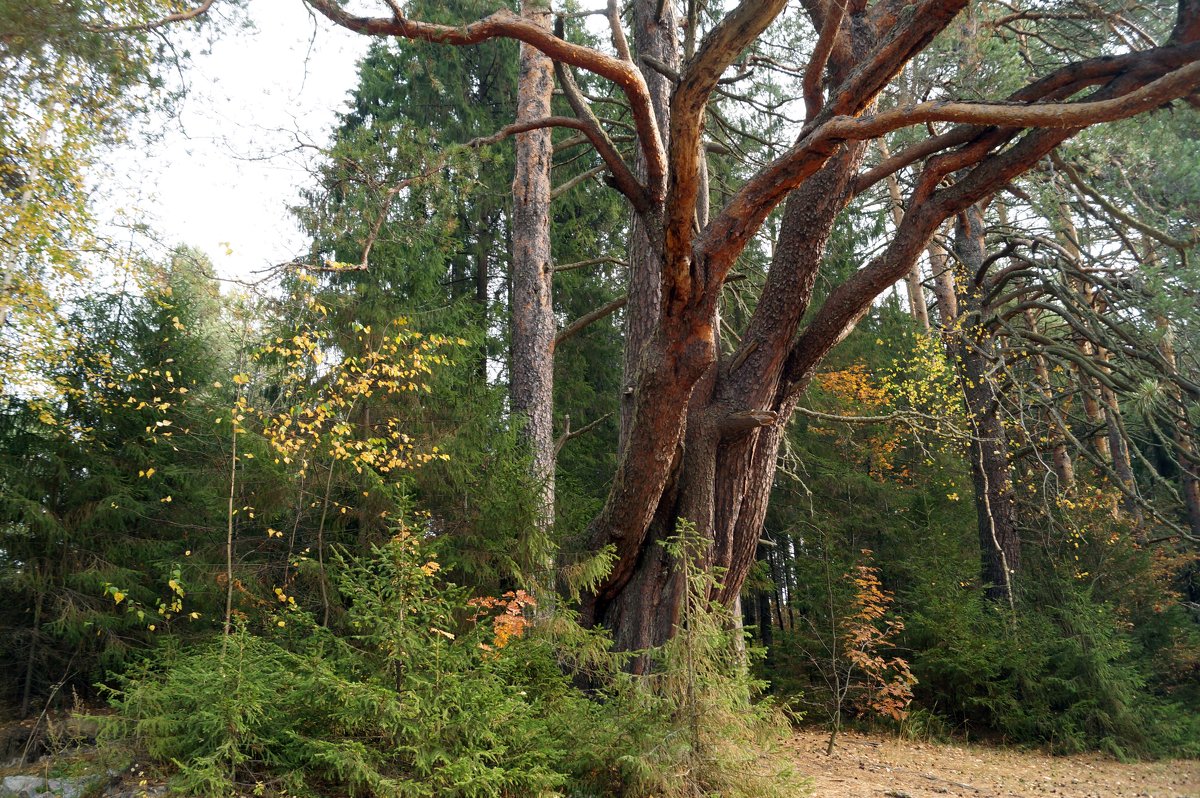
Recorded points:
(813, 81)
(504, 24)
(1062, 83)
(742, 421)
(590, 318)
(748, 208)
(720, 48)
(623, 177)
(620, 43)
(1172, 86)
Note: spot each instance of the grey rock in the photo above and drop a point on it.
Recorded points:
(39, 787)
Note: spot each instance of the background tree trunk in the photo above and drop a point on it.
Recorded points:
(1185, 444)
(533, 323)
(1064, 468)
(973, 352)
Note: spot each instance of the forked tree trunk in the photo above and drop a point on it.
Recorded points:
(723, 471)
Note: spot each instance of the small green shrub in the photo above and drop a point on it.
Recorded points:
(714, 736)
(423, 691)
(399, 704)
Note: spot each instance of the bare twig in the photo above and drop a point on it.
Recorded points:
(170, 19)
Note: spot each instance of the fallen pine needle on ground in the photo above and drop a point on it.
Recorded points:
(875, 766)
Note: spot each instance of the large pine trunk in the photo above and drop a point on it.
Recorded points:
(722, 470)
(533, 322)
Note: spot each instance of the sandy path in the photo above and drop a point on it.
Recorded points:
(881, 767)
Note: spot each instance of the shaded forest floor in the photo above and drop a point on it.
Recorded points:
(873, 766)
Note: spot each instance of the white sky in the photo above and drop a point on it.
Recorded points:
(227, 169)
(223, 175)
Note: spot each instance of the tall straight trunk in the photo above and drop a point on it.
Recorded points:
(35, 633)
(1064, 468)
(765, 634)
(912, 281)
(1186, 454)
(1092, 409)
(749, 613)
(945, 295)
(1068, 236)
(533, 324)
(762, 601)
(974, 353)
(777, 570)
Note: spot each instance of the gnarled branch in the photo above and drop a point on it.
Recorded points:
(504, 24)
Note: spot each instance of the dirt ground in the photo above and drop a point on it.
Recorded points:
(881, 767)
